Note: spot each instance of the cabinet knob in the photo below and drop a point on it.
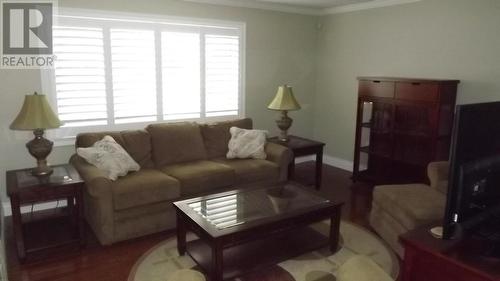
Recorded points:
(415, 83)
(376, 81)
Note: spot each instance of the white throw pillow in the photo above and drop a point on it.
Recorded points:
(108, 156)
(247, 144)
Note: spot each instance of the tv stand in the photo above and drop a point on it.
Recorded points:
(488, 236)
(492, 253)
(431, 259)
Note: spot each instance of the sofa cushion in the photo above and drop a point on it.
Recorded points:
(411, 204)
(216, 136)
(252, 170)
(110, 157)
(200, 176)
(136, 142)
(247, 144)
(143, 187)
(176, 143)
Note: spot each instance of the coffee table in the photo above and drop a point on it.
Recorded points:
(250, 228)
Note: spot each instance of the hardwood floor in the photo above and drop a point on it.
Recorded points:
(113, 263)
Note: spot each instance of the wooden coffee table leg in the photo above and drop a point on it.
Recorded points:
(217, 270)
(181, 235)
(334, 231)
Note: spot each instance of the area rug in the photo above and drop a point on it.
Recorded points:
(162, 262)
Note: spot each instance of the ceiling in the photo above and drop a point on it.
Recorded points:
(314, 3)
(311, 7)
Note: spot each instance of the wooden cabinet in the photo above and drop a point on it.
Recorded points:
(402, 125)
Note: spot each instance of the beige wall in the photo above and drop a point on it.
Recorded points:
(458, 39)
(280, 49)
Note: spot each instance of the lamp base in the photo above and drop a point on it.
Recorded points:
(284, 124)
(40, 148)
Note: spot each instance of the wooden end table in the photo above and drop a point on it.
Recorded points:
(303, 147)
(63, 184)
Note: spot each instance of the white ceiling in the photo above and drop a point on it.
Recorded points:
(311, 7)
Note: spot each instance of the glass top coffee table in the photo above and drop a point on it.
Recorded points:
(250, 228)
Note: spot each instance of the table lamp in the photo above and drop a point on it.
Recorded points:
(284, 101)
(37, 115)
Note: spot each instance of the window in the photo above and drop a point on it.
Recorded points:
(115, 73)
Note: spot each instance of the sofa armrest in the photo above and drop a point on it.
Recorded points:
(280, 155)
(438, 175)
(95, 180)
(98, 200)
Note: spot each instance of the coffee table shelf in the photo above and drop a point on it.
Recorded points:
(255, 255)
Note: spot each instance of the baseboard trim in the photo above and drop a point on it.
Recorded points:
(328, 160)
(338, 163)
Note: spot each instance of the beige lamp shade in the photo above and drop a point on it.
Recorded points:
(284, 100)
(36, 113)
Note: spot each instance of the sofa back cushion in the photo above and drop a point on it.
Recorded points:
(176, 143)
(137, 143)
(216, 136)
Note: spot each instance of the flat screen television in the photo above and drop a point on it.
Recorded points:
(473, 198)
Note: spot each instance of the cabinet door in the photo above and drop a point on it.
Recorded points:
(381, 127)
(428, 267)
(413, 120)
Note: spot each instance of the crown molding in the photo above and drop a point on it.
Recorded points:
(302, 10)
(366, 5)
(262, 6)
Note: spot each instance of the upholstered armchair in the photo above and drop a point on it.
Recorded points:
(399, 208)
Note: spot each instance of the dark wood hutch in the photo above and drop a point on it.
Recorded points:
(402, 125)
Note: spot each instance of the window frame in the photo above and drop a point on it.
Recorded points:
(159, 24)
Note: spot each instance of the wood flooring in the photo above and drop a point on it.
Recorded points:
(113, 263)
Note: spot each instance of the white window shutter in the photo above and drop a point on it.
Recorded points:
(122, 74)
(133, 62)
(222, 72)
(181, 75)
(79, 76)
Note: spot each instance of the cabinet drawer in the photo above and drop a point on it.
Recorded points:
(375, 88)
(427, 92)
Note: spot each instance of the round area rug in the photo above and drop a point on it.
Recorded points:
(162, 262)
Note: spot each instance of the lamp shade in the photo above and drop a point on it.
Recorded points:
(284, 100)
(36, 113)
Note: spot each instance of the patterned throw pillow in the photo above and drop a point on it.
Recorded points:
(108, 156)
(247, 144)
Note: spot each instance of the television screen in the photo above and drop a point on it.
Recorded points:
(474, 166)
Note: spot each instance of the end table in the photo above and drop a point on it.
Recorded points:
(63, 184)
(303, 147)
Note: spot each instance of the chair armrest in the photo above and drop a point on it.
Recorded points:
(95, 180)
(280, 155)
(438, 175)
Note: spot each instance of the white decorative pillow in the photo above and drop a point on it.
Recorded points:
(108, 156)
(247, 144)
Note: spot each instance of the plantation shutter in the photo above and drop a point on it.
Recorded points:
(80, 76)
(222, 75)
(133, 62)
(181, 75)
(113, 73)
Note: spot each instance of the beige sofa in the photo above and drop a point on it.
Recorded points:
(177, 160)
(397, 209)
